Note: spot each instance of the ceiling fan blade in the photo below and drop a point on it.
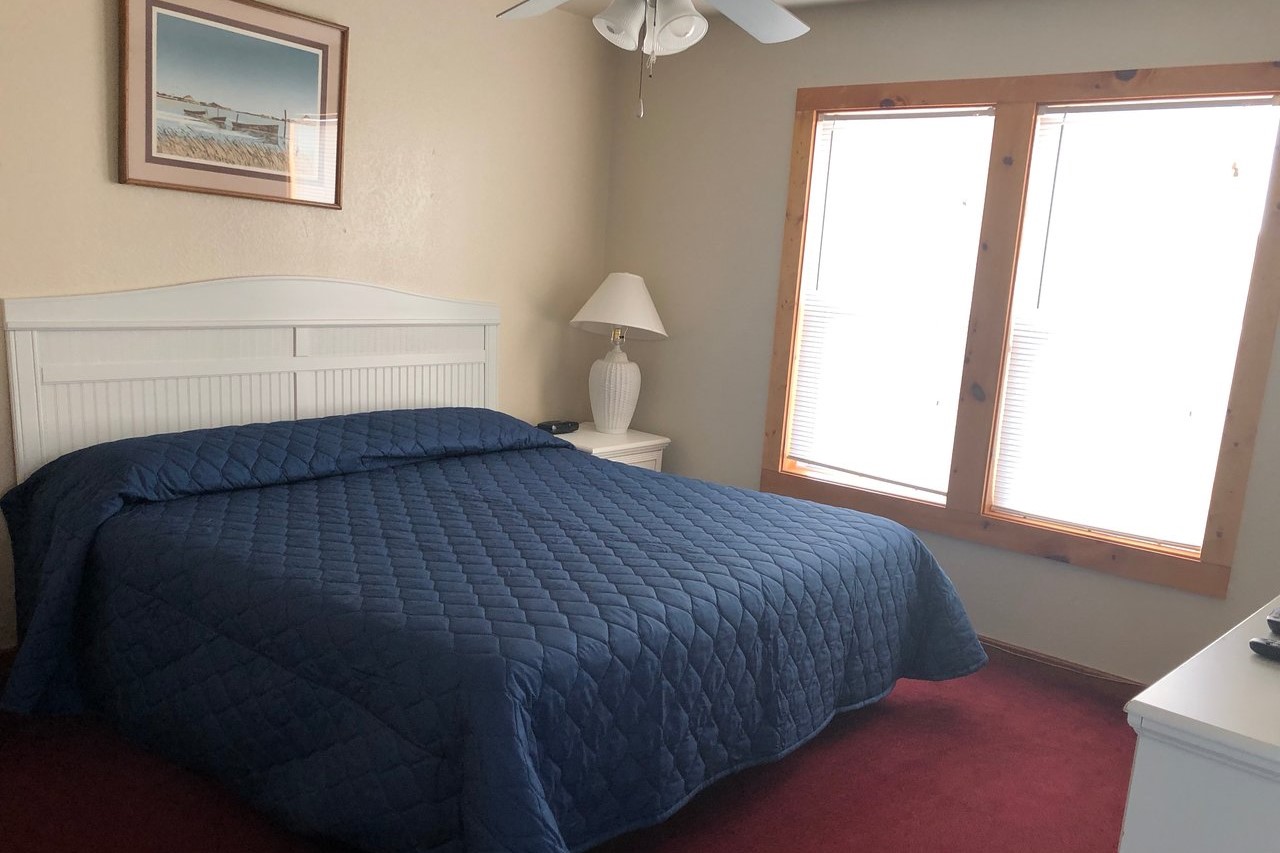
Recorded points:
(530, 9)
(764, 20)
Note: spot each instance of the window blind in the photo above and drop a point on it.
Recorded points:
(1138, 243)
(895, 211)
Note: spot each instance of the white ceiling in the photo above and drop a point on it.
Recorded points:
(591, 7)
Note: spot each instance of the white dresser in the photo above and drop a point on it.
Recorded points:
(1206, 776)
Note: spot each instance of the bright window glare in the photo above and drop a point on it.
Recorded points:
(895, 213)
(1137, 250)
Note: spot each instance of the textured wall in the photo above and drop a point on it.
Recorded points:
(476, 167)
(699, 189)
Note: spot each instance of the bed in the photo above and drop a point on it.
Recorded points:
(433, 627)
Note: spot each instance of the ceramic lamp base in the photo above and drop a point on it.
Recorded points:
(615, 388)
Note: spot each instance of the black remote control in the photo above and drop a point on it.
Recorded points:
(1268, 647)
(558, 427)
(1273, 621)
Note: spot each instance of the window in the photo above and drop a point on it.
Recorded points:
(885, 185)
(1138, 245)
(1041, 320)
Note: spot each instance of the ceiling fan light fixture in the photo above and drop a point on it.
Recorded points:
(621, 23)
(679, 26)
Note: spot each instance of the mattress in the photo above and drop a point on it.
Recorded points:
(444, 630)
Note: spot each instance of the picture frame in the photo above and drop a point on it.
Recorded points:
(232, 97)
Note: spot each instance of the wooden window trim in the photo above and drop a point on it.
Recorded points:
(968, 514)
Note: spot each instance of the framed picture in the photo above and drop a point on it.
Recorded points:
(232, 97)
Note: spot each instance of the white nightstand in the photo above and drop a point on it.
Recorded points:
(641, 449)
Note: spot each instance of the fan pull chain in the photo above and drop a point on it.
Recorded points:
(640, 107)
(647, 60)
(652, 36)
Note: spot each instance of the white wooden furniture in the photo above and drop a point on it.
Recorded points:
(88, 369)
(1206, 776)
(642, 449)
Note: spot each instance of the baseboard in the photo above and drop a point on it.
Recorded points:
(1057, 662)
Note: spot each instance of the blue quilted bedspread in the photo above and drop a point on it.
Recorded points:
(445, 630)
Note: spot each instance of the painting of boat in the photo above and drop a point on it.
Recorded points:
(200, 130)
(266, 132)
(216, 103)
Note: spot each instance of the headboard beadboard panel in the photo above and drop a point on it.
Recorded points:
(89, 369)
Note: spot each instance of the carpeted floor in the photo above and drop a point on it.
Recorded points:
(1019, 757)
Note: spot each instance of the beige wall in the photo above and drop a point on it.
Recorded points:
(476, 167)
(698, 192)
(479, 166)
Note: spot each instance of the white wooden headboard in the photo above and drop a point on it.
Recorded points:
(88, 369)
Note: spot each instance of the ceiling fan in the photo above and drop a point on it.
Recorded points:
(670, 26)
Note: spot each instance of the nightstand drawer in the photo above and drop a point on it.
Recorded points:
(651, 459)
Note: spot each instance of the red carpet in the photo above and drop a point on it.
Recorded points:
(1020, 757)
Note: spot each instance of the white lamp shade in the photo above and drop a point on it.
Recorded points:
(621, 301)
(679, 26)
(621, 23)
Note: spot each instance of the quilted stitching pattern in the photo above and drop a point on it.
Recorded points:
(442, 630)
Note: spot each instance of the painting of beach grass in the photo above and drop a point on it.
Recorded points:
(227, 96)
(234, 98)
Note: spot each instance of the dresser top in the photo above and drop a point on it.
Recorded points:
(1225, 694)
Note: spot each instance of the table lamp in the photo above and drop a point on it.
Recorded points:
(620, 307)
